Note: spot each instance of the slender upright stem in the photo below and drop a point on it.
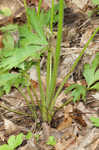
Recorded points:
(39, 6)
(57, 53)
(49, 60)
(42, 96)
(33, 104)
(48, 76)
(28, 20)
(27, 101)
(52, 16)
(33, 89)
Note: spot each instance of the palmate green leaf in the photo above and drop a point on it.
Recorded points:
(18, 140)
(44, 18)
(95, 121)
(7, 80)
(4, 78)
(19, 55)
(36, 24)
(78, 91)
(15, 141)
(91, 73)
(29, 38)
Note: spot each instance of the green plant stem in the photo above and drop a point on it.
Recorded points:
(27, 101)
(42, 96)
(33, 104)
(72, 69)
(28, 20)
(49, 75)
(49, 60)
(52, 16)
(34, 92)
(39, 6)
(64, 104)
(57, 53)
(14, 111)
(33, 89)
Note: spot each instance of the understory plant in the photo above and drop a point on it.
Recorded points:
(91, 75)
(19, 55)
(94, 10)
(15, 141)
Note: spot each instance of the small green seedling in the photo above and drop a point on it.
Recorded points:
(51, 141)
(28, 136)
(78, 92)
(37, 136)
(91, 74)
(15, 141)
(95, 121)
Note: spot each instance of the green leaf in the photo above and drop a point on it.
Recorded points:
(37, 136)
(8, 42)
(5, 147)
(28, 38)
(29, 135)
(19, 55)
(14, 142)
(6, 11)
(95, 121)
(95, 2)
(44, 18)
(11, 142)
(36, 24)
(18, 140)
(1, 12)
(90, 13)
(1, 91)
(10, 27)
(7, 80)
(4, 78)
(90, 73)
(78, 91)
(95, 87)
(51, 141)
(97, 75)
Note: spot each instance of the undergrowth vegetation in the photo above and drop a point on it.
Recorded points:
(34, 38)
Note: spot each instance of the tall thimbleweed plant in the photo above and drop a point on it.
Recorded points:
(51, 72)
(27, 52)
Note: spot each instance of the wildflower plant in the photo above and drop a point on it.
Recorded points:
(26, 51)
